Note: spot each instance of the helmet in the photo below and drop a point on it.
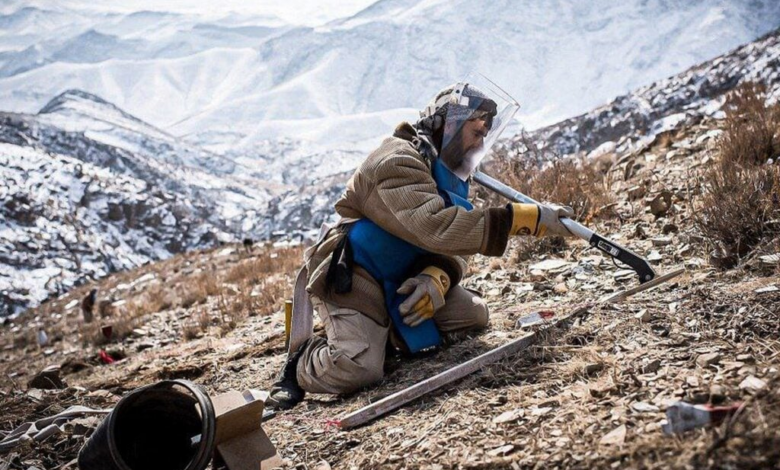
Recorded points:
(465, 120)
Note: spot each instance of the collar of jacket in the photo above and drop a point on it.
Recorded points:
(405, 131)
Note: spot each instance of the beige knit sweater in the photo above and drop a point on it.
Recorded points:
(395, 189)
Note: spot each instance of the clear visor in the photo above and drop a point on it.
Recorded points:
(478, 111)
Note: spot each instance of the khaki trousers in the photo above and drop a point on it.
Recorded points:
(353, 354)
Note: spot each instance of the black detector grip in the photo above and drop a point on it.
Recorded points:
(637, 263)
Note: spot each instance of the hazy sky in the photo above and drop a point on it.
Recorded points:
(304, 12)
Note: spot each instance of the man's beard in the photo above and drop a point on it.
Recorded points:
(459, 160)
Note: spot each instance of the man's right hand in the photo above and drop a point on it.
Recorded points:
(539, 220)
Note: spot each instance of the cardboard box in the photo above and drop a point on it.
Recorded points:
(241, 441)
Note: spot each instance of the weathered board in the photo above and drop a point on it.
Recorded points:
(402, 397)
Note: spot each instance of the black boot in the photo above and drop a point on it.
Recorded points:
(286, 393)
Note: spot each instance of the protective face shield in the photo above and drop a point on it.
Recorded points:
(475, 113)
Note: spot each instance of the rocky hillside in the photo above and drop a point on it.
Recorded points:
(598, 394)
(88, 189)
(66, 221)
(592, 396)
(279, 188)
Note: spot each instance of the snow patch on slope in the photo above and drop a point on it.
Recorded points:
(65, 221)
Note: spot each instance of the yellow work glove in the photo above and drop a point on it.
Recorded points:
(426, 295)
(540, 220)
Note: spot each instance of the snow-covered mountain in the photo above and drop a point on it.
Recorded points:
(87, 189)
(247, 78)
(86, 127)
(64, 220)
(669, 103)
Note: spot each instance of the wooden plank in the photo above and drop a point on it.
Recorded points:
(402, 397)
(622, 295)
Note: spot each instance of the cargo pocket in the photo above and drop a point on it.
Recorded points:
(346, 329)
(356, 348)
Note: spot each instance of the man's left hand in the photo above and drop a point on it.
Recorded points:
(426, 295)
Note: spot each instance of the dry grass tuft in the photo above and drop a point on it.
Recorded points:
(545, 176)
(578, 184)
(739, 208)
(528, 248)
(199, 289)
(268, 262)
(752, 129)
(218, 293)
(257, 286)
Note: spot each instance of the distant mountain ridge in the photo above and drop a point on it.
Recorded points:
(672, 102)
(252, 78)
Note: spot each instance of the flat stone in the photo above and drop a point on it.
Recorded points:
(47, 379)
(616, 437)
(752, 383)
(644, 315)
(509, 416)
(503, 450)
(554, 265)
(662, 241)
(644, 407)
(766, 290)
(706, 360)
(621, 274)
(770, 260)
(540, 411)
(561, 288)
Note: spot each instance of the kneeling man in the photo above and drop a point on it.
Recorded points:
(391, 268)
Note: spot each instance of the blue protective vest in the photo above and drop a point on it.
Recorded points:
(390, 259)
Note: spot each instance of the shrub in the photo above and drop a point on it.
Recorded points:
(545, 176)
(751, 130)
(257, 286)
(739, 205)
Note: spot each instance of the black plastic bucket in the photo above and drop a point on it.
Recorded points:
(169, 425)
